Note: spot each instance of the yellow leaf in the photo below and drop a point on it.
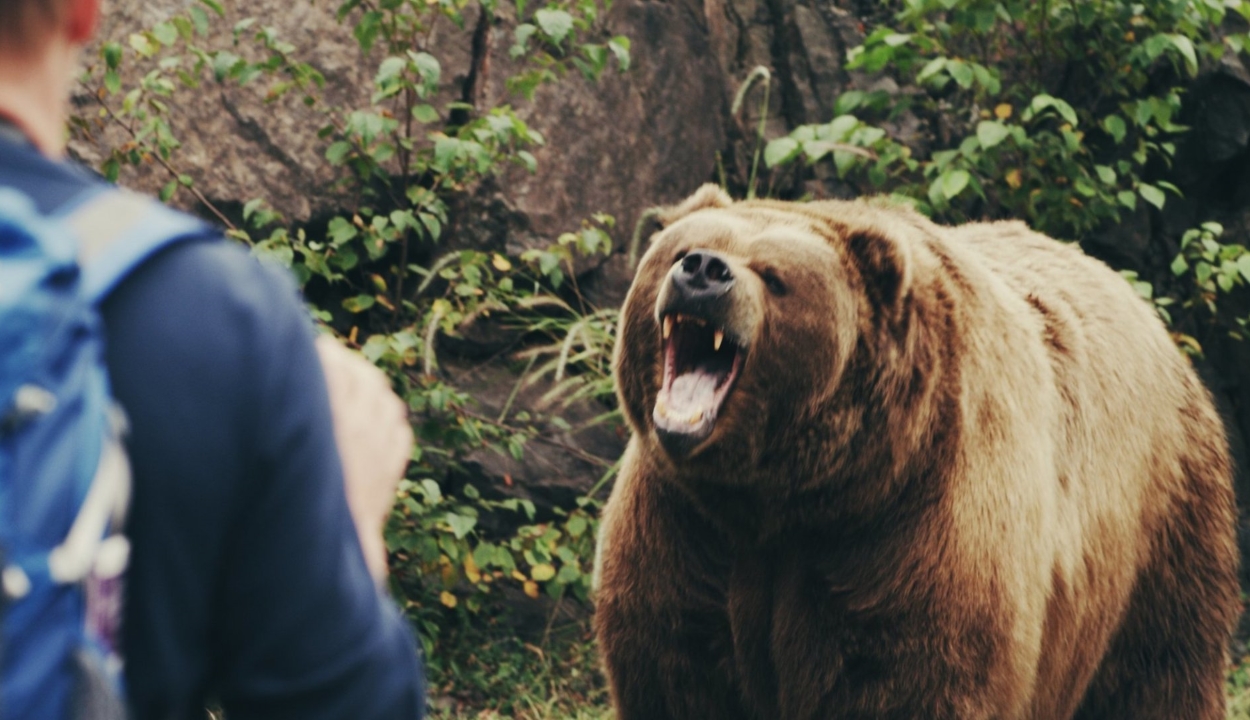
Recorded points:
(1003, 111)
(516, 575)
(531, 589)
(501, 263)
(1014, 180)
(542, 572)
(447, 599)
(471, 570)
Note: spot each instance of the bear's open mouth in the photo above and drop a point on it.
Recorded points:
(701, 364)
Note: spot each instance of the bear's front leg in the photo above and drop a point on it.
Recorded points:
(660, 606)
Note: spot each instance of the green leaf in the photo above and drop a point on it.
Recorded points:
(619, 46)
(461, 525)
(1243, 266)
(200, 18)
(991, 133)
(961, 72)
(216, 7)
(1202, 272)
(366, 30)
(1127, 198)
(527, 158)
(338, 151)
(165, 33)
(1186, 49)
(251, 207)
(1105, 174)
(428, 67)
(780, 151)
(555, 24)
(424, 113)
(358, 304)
(340, 231)
(112, 53)
(390, 69)
(1043, 102)
(1225, 281)
(1179, 265)
(522, 35)
(954, 182)
(168, 191)
(933, 67)
(222, 64)
(1115, 127)
(577, 523)
(142, 45)
(1152, 195)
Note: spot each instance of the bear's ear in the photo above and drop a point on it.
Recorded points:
(708, 196)
(885, 264)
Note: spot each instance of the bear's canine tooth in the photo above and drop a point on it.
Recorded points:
(668, 326)
(696, 417)
(662, 408)
(718, 337)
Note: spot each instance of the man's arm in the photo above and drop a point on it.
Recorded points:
(248, 581)
(374, 441)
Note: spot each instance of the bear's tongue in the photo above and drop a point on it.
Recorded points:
(693, 393)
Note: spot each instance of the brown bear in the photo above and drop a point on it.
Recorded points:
(882, 468)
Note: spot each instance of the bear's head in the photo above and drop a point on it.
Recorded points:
(743, 318)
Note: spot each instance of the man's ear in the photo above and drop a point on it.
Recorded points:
(708, 196)
(82, 17)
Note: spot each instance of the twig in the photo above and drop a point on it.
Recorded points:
(164, 163)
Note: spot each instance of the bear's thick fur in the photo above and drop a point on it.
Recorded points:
(882, 468)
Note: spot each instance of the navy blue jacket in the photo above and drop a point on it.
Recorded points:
(247, 583)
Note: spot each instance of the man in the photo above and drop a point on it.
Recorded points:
(247, 584)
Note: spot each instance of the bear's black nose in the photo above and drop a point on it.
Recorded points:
(703, 275)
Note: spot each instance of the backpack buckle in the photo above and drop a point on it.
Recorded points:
(29, 402)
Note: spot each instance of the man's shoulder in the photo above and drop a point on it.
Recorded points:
(51, 184)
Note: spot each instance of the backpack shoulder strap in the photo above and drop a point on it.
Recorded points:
(117, 230)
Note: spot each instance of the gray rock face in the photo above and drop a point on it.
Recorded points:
(235, 145)
(616, 146)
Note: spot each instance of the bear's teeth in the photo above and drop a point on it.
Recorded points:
(696, 417)
(718, 337)
(668, 326)
(662, 408)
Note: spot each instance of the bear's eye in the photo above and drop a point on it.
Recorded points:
(678, 257)
(772, 282)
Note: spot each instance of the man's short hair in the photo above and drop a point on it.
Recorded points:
(25, 23)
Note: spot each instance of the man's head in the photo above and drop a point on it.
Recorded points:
(26, 24)
(39, 44)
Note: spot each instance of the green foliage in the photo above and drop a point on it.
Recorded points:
(1062, 112)
(402, 159)
(1206, 269)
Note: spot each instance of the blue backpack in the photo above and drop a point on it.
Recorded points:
(64, 476)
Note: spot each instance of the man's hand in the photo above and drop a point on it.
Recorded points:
(374, 441)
